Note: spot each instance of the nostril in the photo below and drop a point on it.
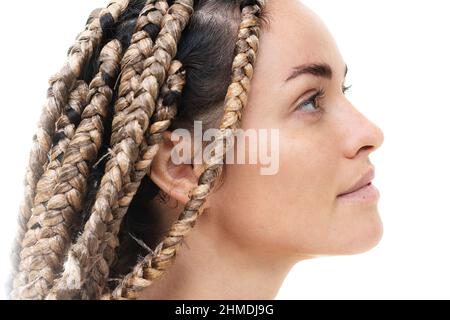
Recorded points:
(366, 148)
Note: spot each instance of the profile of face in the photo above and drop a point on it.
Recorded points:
(324, 147)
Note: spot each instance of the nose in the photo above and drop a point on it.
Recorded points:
(362, 135)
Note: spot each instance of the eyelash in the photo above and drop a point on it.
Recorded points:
(318, 95)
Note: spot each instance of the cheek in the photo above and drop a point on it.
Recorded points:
(288, 211)
(249, 207)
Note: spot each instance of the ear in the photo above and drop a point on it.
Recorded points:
(174, 179)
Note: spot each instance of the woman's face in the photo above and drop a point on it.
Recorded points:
(323, 149)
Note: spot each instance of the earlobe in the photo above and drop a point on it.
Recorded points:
(175, 180)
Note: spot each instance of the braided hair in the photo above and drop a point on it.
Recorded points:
(138, 69)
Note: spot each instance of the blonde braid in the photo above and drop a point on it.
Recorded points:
(131, 120)
(48, 238)
(166, 108)
(155, 264)
(78, 265)
(66, 126)
(44, 190)
(65, 130)
(165, 112)
(57, 95)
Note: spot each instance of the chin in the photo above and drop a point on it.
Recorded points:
(355, 234)
(367, 237)
(351, 235)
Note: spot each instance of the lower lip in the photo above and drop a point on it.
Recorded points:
(368, 193)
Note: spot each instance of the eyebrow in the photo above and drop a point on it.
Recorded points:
(322, 70)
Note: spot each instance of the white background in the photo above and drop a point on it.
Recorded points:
(398, 53)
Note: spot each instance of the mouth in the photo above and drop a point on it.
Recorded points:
(367, 193)
(363, 189)
(355, 190)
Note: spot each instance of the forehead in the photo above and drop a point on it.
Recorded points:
(295, 35)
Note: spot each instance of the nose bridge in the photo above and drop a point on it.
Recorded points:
(361, 133)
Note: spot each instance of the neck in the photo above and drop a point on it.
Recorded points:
(211, 266)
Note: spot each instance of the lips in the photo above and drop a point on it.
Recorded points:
(362, 182)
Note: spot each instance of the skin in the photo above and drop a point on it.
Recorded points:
(255, 228)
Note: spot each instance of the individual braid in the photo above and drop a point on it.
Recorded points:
(57, 95)
(133, 111)
(66, 126)
(156, 263)
(48, 238)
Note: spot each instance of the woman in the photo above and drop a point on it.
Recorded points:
(101, 216)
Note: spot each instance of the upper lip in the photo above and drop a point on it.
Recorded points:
(365, 180)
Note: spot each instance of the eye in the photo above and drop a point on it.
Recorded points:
(311, 105)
